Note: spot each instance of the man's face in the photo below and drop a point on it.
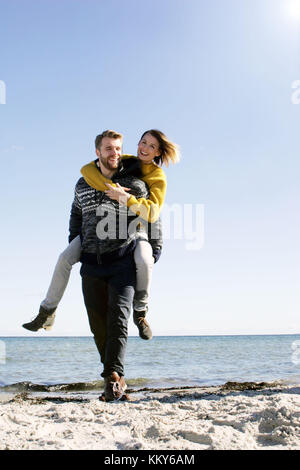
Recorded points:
(110, 153)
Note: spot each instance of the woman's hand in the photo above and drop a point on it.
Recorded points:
(118, 193)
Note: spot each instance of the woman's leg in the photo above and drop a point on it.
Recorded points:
(143, 257)
(59, 281)
(61, 274)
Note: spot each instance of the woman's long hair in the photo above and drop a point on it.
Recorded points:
(169, 150)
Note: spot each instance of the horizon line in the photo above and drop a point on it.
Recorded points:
(157, 336)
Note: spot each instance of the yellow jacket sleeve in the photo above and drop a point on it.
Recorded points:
(149, 209)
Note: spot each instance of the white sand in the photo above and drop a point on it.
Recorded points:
(198, 419)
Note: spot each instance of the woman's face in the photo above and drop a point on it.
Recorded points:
(148, 148)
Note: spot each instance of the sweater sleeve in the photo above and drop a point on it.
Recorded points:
(75, 218)
(149, 209)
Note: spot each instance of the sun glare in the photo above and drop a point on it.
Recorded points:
(294, 9)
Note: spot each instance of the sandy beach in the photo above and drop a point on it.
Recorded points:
(234, 416)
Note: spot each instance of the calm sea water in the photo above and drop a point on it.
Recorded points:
(163, 362)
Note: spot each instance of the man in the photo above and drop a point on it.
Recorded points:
(108, 269)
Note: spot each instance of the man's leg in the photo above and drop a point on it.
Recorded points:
(121, 286)
(119, 306)
(95, 293)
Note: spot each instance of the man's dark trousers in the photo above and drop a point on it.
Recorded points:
(108, 292)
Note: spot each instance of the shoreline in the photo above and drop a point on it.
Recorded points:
(236, 415)
(42, 335)
(28, 390)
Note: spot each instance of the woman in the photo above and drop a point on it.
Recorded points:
(154, 150)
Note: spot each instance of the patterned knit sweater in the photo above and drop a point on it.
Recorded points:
(107, 229)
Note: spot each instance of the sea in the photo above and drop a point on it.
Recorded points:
(72, 364)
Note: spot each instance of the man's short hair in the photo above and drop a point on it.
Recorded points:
(109, 133)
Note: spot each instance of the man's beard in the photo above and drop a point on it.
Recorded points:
(107, 165)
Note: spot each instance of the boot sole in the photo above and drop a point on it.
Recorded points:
(47, 328)
(146, 338)
(30, 329)
(124, 397)
(142, 336)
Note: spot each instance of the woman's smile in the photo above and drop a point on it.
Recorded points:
(148, 148)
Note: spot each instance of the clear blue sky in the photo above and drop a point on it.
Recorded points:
(216, 77)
